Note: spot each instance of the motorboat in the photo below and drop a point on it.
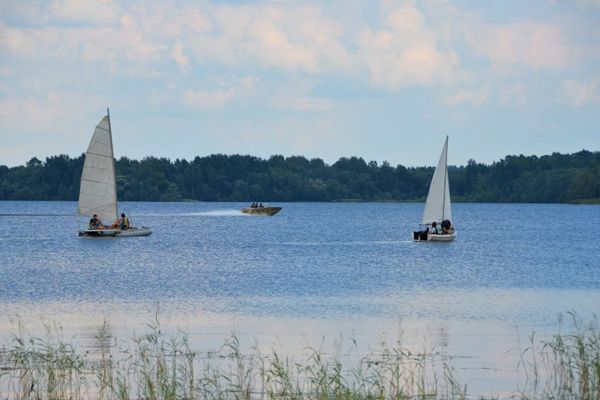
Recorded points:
(265, 210)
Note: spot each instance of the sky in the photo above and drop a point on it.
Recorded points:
(384, 80)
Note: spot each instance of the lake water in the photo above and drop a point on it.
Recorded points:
(314, 274)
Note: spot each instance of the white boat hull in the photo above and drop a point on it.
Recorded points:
(133, 232)
(434, 237)
(143, 231)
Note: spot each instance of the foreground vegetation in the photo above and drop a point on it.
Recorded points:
(556, 178)
(160, 366)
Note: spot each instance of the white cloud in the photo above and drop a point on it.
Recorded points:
(16, 42)
(533, 45)
(404, 51)
(30, 113)
(94, 12)
(205, 100)
(179, 57)
(110, 49)
(579, 94)
(296, 135)
(226, 91)
(58, 122)
(301, 103)
(406, 46)
(286, 56)
(283, 36)
(586, 4)
(513, 95)
(5, 71)
(476, 97)
(38, 113)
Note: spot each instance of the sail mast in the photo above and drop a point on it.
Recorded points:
(97, 191)
(445, 177)
(437, 196)
(112, 152)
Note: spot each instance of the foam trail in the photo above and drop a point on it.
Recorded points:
(219, 213)
(38, 215)
(214, 213)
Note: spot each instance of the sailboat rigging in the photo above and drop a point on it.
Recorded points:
(98, 187)
(438, 210)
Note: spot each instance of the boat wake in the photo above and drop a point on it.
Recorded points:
(37, 215)
(217, 213)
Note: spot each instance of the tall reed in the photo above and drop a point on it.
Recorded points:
(48, 368)
(164, 366)
(566, 365)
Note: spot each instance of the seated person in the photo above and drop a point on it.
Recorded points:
(95, 222)
(253, 205)
(447, 227)
(261, 205)
(124, 222)
(434, 228)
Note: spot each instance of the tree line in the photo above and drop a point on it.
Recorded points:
(555, 178)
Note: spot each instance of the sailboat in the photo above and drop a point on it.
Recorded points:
(438, 209)
(98, 187)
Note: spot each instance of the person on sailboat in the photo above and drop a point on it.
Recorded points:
(434, 228)
(121, 223)
(447, 227)
(95, 222)
(124, 222)
(422, 235)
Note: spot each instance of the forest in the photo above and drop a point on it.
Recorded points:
(555, 178)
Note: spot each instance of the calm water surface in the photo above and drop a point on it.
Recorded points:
(314, 270)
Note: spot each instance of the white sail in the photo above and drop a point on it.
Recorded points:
(437, 207)
(98, 191)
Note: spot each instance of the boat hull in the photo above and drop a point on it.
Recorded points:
(433, 237)
(441, 237)
(133, 232)
(266, 211)
(143, 231)
(98, 233)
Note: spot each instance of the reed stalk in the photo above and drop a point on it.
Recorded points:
(163, 366)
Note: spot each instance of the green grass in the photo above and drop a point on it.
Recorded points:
(163, 366)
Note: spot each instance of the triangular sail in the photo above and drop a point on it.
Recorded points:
(98, 191)
(437, 207)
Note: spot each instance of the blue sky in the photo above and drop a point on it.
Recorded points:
(384, 80)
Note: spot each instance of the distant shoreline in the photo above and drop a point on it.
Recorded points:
(556, 178)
